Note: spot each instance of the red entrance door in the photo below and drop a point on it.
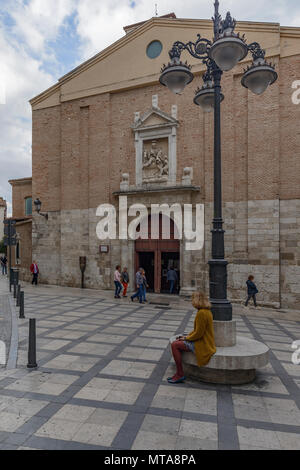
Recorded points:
(153, 250)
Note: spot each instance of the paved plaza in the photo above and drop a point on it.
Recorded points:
(101, 381)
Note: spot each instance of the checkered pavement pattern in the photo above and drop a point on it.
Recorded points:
(101, 383)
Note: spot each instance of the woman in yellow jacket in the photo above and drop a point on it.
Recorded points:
(201, 341)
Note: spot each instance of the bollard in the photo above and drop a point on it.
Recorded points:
(32, 345)
(11, 277)
(18, 295)
(22, 315)
(15, 290)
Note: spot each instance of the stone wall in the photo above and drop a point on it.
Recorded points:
(268, 247)
(290, 253)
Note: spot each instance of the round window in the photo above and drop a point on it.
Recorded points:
(154, 49)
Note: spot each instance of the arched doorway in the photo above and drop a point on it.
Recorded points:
(156, 256)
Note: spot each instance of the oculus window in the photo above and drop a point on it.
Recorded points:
(154, 49)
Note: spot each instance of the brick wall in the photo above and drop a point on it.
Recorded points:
(21, 189)
(81, 148)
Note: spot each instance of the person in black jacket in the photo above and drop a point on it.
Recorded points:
(252, 291)
(3, 260)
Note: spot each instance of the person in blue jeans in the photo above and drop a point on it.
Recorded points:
(140, 286)
(117, 281)
(4, 264)
(252, 291)
(172, 278)
(145, 285)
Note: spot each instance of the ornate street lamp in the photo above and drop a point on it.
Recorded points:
(260, 74)
(38, 205)
(219, 55)
(205, 96)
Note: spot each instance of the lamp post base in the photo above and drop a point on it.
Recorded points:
(221, 309)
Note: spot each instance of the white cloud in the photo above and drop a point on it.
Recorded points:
(22, 77)
(39, 20)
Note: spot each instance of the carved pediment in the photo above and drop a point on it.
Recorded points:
(155, 143)
(154, 118)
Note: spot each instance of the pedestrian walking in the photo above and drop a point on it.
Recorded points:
(252, 291)
(125, 281)
(172, 278)
(139, 284)
(3, 260)
(35, 273)
(117, 281)
(145, 286)
(200, 341)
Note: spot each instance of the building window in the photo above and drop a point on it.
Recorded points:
(154, 49)
(28, 206)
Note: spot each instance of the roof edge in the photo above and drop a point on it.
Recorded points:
(20, 181)
(131, 27)
(164, 21)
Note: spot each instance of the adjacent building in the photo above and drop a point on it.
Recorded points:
(108, 129)
(21, 253)
(3, 210)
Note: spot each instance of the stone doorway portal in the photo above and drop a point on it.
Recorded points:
(156, 255)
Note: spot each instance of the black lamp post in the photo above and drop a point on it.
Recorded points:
(38, 206)
(220, 55)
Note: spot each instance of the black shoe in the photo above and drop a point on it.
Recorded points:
(131, 299)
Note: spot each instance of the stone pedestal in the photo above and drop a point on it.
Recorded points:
(225, 333)
(235, 361)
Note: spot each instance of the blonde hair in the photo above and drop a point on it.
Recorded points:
(200, 300)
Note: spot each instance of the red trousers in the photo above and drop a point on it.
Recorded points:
(177, 348)
(125, 285)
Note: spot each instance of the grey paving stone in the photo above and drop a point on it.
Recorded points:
(127, 346)
(16, 439)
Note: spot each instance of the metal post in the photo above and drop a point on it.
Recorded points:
(22, 315)
(18, 295)
(9, 255)
(82, 264)
(15, 288)
(32, 344)
(11, 276)
(221, 307)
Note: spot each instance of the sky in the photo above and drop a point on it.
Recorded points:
(41, 40)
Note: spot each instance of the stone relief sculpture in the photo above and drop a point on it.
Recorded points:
(155, 164)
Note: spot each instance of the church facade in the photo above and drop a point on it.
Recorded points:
(108, 130)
